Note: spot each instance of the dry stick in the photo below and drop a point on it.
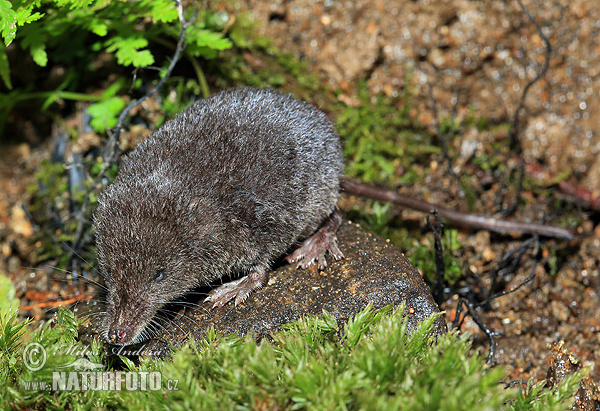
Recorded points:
(455, 217)
(55, 303)
(514, 142)
(472, 306)
(473, 313)
(542, 73)
(112, 146)
(494, 225)
(469, 303)
(507, 264)
(529, 278)
(569, 187)
(512, 208)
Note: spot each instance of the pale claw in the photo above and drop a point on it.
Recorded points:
(239, 289)
(316, 246)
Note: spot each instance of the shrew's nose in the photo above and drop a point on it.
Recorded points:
(119, 335)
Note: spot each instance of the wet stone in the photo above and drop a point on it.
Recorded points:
(372, 271)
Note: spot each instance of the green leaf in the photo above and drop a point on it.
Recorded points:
(36, 42)
(210, 39)
(105, 113)
(113, 89)
(99, 28)
(10, 19)
(73, 4)
(128, 51)
(5, 68)
(8, 22)
(25, 16)
(162, 10)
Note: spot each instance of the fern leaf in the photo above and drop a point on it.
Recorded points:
(8, 22)
(129, 51)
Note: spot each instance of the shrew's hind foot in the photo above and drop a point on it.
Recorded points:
(239, 289)
(314, 247)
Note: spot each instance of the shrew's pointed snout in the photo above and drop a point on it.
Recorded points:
(120, 334)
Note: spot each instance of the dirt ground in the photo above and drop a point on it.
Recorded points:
(470, 55)
(474, 55)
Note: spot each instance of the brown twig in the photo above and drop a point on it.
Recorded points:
(507, 211)
(455, 217)
(56, 303)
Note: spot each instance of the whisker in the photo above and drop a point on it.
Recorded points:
(180, 316)
(191, 304)
(157, 327)
(89, 315)
(174, 323)
(82, 278)
(167, 320)
(150, 327)
(72, 250)
(196, 293)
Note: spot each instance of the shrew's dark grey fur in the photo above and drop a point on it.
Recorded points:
(231, 183)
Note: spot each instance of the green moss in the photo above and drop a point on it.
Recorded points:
(265, 68)
(423, 257)
(381, 138)
(372, 362)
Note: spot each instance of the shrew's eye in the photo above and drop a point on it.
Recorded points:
(159, 276)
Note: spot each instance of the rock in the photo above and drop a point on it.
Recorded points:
(372, 271)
